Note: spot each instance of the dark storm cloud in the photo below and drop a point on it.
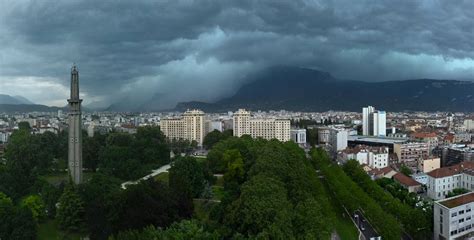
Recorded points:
(200, 50)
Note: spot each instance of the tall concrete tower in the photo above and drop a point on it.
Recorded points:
(75, 129)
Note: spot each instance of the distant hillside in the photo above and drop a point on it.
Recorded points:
(11, 108)
(301, 89)
(7, 99)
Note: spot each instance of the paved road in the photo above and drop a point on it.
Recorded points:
(364, 226)
(155, 172)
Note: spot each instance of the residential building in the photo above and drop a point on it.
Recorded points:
(453, 217)
(386, 172)
(420, 177)
(410, 153)
(323, 135)
(443, 180)
(190, 126)
(373, 122)
(429, 164)
(338, 139)
(374, 157)
(469, 124)
(407, 182)
(429, 137)
(298, 136)
(456, 153)
(267, 128)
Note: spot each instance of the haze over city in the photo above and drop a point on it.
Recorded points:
(203, 50)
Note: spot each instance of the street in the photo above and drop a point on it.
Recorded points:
(364, 226)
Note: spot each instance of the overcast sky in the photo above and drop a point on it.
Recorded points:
(201, 50)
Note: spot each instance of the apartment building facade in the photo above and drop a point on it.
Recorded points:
(266, 128)
(453, 217)
(443, 180)
(409, 153)
(190, 126)
(374, 157)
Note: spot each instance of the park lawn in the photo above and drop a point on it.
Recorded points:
(202, 208)
(56, 178)
(49, 230)
(218, 192)
(163, 177)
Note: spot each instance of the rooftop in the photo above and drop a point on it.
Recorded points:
(405, 180)
(458, 200)
(385, 140)
(451, 170)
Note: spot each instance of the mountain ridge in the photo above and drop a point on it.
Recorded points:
(303, 89)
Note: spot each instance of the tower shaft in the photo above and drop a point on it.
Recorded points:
(75, 130)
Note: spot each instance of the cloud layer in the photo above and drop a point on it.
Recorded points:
(201, 50)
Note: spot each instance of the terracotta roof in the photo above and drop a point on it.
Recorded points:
(449, 171)
(424, 135)
(405, 180)
(386, 170)
(458, 200)
(449, 137)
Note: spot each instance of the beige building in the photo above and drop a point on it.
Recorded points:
(267, 128)
(191, 126)
(429, 164)
(410, 153)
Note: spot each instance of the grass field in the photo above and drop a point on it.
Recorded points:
(49, 230)
(164, 177)
(56, 178)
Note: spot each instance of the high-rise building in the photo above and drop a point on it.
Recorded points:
(75, 129)
(266, 128)
(374, 122)
(191, 126)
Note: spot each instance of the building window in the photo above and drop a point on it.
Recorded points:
(461, 212)
(454, 214)
(461, 220)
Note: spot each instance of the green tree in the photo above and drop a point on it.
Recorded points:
(262, 210)
(184, 230)
(24, 126)
(15, 222)
(36, 205)
(235, 166)
(310, 221)
(150, 203)
(456, 192)
(188, 173)
(70, 213)
(406, 170)
(100, 194)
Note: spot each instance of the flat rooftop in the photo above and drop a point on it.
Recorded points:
(384, 140)
(458, 200)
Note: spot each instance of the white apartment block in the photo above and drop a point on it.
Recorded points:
(374, 157)
(298, 136)
(191, 126)
(266, 128)
(374, 123)
(469, 124)
(338, 138)
(4, 136)
(441, 181)
(453, 218)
